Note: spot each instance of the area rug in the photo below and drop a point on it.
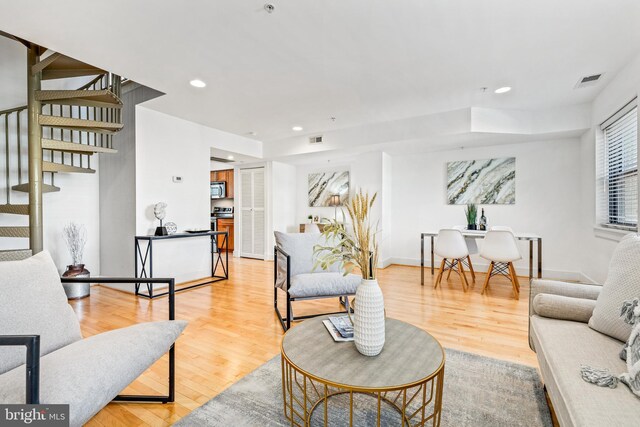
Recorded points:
(478, 391)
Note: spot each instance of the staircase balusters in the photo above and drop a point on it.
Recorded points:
(18, 133)
(6, 138)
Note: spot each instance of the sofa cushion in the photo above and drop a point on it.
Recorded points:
(562, 347)
(323, 284)
(33, 302)
(623, 283)
(300, 247)
(561, 307)
(89, 373)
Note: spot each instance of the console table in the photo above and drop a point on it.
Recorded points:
(144, 263)
(477, 234)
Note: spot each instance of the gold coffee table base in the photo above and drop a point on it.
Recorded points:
(419, 403)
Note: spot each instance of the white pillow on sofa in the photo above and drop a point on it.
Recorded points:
(623, 283)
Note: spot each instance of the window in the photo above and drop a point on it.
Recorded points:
(619, 168)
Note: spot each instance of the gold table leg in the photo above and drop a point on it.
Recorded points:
(421, 403)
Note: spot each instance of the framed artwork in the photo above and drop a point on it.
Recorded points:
(323, 185)
(483, 182)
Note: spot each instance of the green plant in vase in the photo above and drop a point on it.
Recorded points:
(471, 212)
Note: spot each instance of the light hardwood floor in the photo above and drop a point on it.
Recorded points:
(233, 330)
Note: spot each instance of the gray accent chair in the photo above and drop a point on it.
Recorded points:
(294, 275)
(61, 367)
(562, 340)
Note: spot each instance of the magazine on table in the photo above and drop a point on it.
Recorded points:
(334, 332)
(340, 328)
(343, 325)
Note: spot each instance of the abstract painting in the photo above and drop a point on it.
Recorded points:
(483, 182)
(323, 185)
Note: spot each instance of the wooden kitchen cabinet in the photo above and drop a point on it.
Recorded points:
(226, 224)
(230, 184)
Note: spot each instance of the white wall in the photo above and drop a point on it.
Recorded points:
(366, 173)
(597, 244)
(283, 199)
(165, 147)
(547, 201)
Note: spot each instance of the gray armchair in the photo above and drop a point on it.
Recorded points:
(61, 366)
(295, 277)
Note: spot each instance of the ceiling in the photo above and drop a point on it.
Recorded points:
(360, 61)
(232, 157)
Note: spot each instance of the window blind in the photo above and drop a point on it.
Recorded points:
(618, 170)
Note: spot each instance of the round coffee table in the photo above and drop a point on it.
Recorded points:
(407, 376)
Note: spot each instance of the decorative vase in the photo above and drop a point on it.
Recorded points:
(76, 290)
(472, 227)
(368, 322)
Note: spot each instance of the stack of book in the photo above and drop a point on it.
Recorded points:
(340, 328)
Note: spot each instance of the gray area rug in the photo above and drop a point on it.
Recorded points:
(478, 391)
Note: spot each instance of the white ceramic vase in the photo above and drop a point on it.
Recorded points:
(368, 321)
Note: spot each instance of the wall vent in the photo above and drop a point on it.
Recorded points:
(315, 139)
(588, 81)
(221, 160)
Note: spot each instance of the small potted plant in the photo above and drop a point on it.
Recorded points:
(471, 212)
(310, 218)
(75, 235)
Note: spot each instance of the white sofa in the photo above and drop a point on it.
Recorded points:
(67, 369)
(572, 325)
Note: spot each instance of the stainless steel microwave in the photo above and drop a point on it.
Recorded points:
(218, 190)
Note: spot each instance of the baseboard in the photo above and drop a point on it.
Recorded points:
(483, 267)
(586, 279)
(385, 263)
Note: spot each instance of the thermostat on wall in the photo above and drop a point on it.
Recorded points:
(177, 179)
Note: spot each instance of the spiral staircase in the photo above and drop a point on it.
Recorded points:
(57, 132)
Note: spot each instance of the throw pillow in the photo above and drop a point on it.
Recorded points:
(631, 314)
(623, 283)
(564, 308)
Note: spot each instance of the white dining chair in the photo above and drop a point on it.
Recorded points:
(450, 245)
(472, 247)
(500, 247)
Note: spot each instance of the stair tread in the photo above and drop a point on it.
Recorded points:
(46, 188)
(68, 122)
(19, 209)
(14, 254)
(59, 167)
(58, 66)
(14, 231)
(73, 147)
(101, 96)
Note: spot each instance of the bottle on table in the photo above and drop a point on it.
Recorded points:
(483, 221)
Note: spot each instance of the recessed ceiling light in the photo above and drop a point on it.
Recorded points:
(504, 89)
(252, 133)
(297, 128)
(230, 157)
(197, 83)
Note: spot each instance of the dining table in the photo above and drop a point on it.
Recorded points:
(532, 238)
